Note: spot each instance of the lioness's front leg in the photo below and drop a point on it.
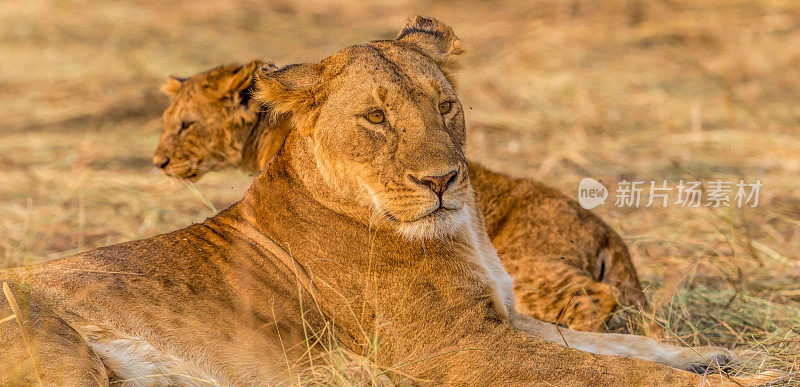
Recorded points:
(496, 353)
(695, 359)
(58, 355)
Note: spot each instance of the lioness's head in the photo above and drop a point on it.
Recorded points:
(381, 128)
(209, 121)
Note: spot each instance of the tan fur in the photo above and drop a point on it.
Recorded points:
(563, 258)
(310, 248)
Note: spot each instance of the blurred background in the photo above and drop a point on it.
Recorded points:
(556, 91)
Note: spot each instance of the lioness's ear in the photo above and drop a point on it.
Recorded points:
(435, 40)
(241, 80)
(172, 85)
(245, 75)
(292, 91)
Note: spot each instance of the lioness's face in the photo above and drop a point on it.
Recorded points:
(393, 129)
(387, 132)
(207, 122)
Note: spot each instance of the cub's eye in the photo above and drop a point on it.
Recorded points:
(185, 125)
(445, 107)
(376, 117)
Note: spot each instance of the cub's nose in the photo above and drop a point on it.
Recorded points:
(437, 184)
(160, 161)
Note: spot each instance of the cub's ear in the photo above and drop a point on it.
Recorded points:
(435, 40)
(172, 85)
(294, 91)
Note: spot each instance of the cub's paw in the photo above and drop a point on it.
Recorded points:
(706, 359)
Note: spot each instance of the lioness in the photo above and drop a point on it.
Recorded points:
(317, 245)
(567, 264)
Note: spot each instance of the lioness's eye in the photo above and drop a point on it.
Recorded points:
(445, 107)
(376, 116)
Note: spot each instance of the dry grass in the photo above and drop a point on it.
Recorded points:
(557, 91)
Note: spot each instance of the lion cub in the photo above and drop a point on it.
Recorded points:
(565, 261)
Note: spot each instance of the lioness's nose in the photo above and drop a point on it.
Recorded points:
(160, 161)
(437, 184)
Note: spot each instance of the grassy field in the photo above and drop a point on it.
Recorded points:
(556, 90)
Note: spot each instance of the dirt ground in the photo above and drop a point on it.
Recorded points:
(557, 91)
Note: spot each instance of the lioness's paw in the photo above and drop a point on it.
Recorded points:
(708, 360)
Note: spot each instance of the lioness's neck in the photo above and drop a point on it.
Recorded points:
(286, 210)
(289, 188)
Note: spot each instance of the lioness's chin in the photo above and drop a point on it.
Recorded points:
(439, 224)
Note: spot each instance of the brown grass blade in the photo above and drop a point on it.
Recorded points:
(15, 307)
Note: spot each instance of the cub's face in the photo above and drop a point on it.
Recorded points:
(208, 121)
(387, 132)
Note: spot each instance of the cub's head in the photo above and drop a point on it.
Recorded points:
(381, 129)
(209, 121)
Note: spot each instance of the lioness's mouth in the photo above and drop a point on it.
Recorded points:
(439, 213)
(438, 223)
